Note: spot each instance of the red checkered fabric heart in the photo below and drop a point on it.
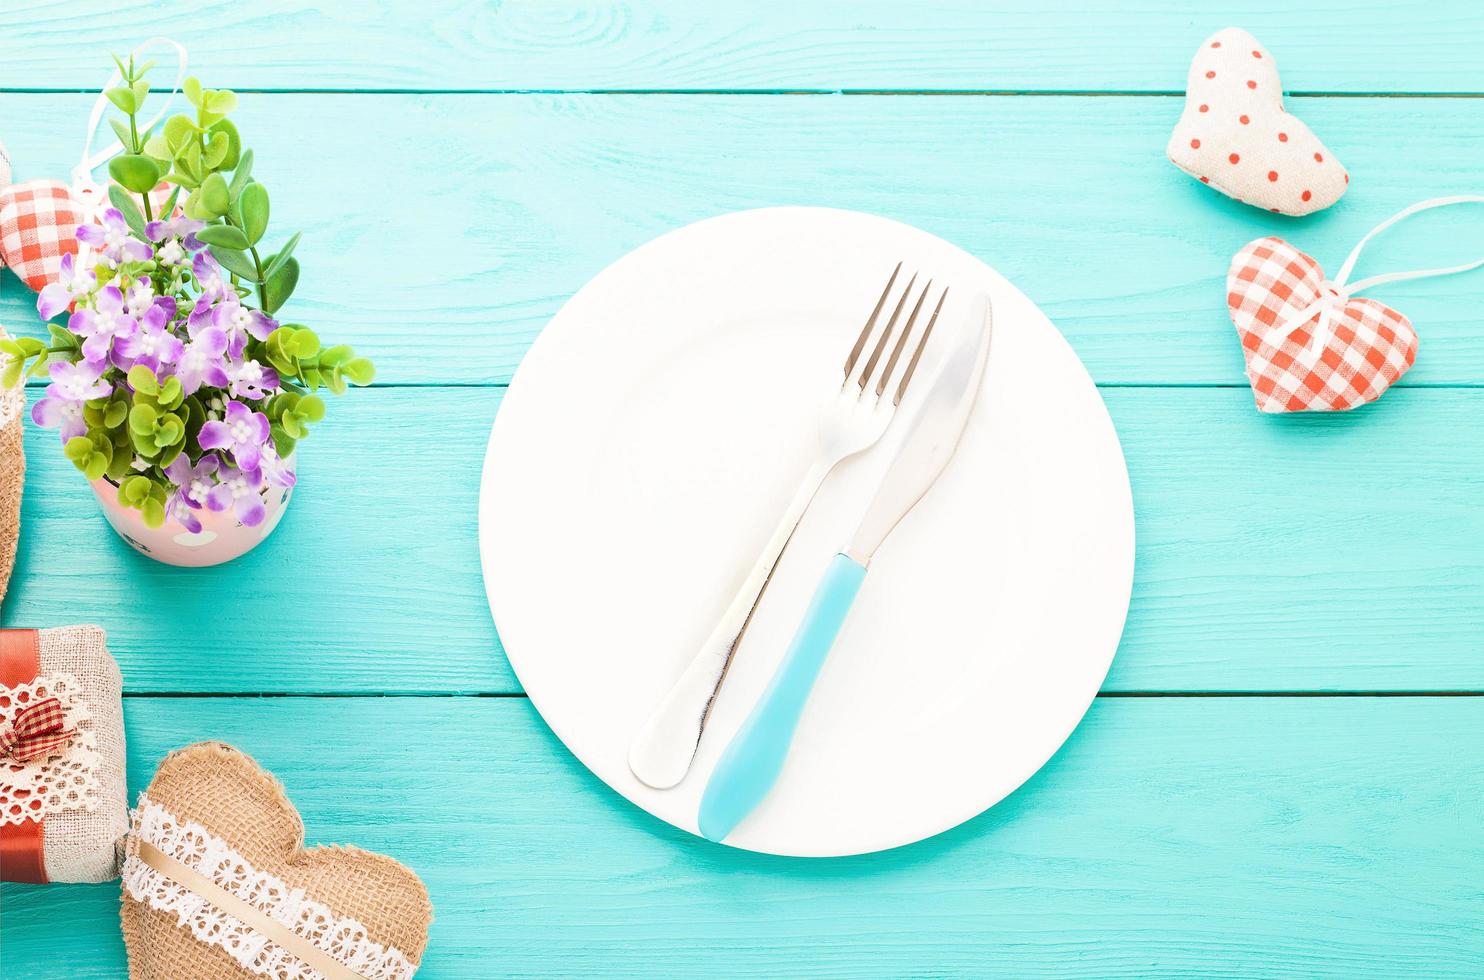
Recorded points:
(38, 225)
(1363, 349)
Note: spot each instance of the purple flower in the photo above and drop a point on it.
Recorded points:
(152, 345)
(178, 226)
(239, 490)
(242, 434)
(102, 324)
(72, 284)
(141, 296)
(193, 486)
(249, 379)
(239, 322)
(62, 405)
(201, 361)
(275, 469)
(209, 278)
(112, 241)
(200, 315)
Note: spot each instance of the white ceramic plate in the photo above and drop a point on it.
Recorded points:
(648, 443)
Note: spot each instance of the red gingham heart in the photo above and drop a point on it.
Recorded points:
(38, 225)
(1367, 348)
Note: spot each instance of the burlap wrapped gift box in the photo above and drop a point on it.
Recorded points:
(62, 816)
(218, 883)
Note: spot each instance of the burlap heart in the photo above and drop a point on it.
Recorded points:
(1360, 353)
(340, 912)
(12, 475)
(1236, 136)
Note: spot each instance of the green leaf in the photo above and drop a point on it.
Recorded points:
(190, 161)
(192, 90)
(140, 90)
(312, 408)
(38, 367)
(142, 419)
(126, 138)
(154, 513)
(275, 262)
(178, 132)
(234, 144)
(360, 371)
(114, 415)
(304, 344)
(94, 466)
(158, 150)
(169, 207)
(214, 194)
(118, 465)
(129, 208)
(193, 208)
(170, 452)
(224, 235)
(282, 441)
(123, 69)
(62, 337)
(143, 380)
(171, 393)
(182, 180)
(77, 448)
(292, 426)
(12, 373)
(236, 261)
(216, 150)
(254, 207)
(335, 381)
(241, 175)
(333, 357)
(280, 286)
(123, 99)
(221, 102)
(135, 171)
(134, 490)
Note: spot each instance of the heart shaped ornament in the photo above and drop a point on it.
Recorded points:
(1346, 354)
(217, 883)
(38, 225)
(1236, 136)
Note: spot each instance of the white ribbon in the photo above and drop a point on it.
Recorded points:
(83, 185)
(1334, 292)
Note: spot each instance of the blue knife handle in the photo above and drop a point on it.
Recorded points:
(753, 759)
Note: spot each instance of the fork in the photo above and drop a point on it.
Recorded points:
(850, 423)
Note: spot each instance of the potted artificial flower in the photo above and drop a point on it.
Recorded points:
(177, 391)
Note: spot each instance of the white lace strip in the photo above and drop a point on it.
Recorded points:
(343, 938)
(37, 789)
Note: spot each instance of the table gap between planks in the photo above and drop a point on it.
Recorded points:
(1282, 773)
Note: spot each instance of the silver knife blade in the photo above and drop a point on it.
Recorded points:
(934, 436)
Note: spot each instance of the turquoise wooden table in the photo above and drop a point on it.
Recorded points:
(1283, 775)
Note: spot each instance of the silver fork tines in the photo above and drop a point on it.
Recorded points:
(867, 372)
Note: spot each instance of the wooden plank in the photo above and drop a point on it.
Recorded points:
(1327, 45)
(444, 253)
(1247, 837)
(1320, 553)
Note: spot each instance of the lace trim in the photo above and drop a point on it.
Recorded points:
(193, 845)
(35, 790)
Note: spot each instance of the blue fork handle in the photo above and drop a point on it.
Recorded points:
(753, 759)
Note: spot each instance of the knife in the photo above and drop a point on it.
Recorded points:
(751, 762)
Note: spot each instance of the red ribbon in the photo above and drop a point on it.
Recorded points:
(22, 844)
(36, 732)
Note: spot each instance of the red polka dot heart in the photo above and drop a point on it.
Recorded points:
(1236, 136)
